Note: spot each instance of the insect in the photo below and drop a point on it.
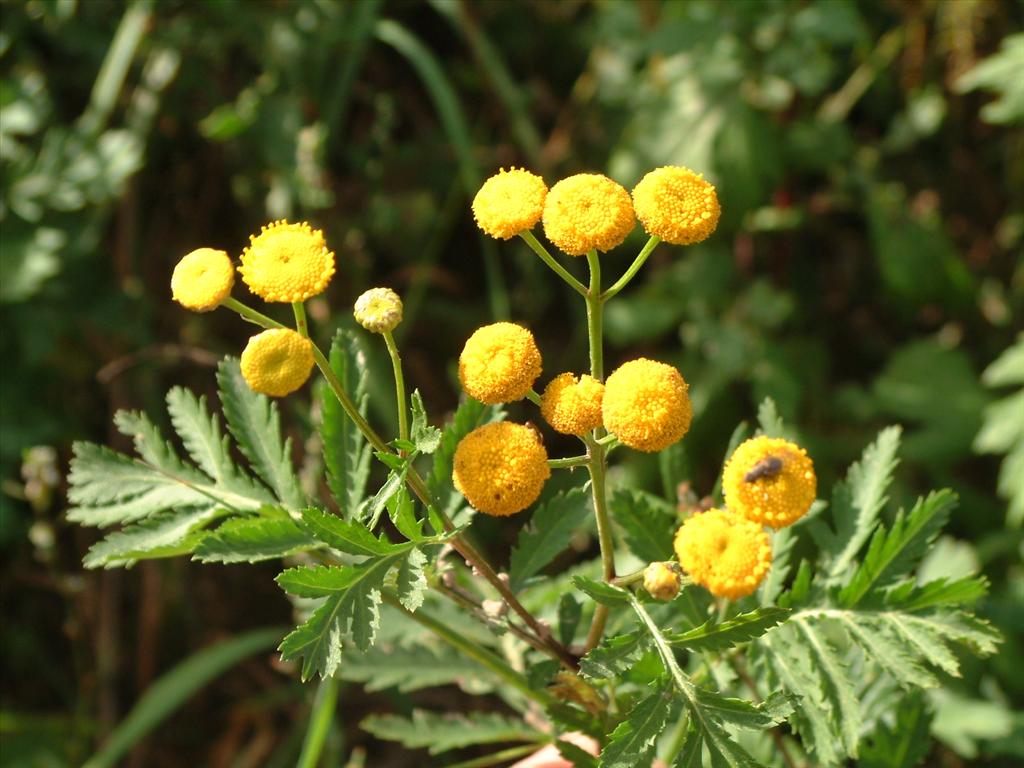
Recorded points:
(769, 466)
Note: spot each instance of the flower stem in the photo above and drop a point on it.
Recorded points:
(630, 273)
(533, 397)
(320, 719)
(571, 461)
(300, 318)
(596, 451)
(595, 317)
(396, 365)
(476, 652)
(249, 314)
(548, 259)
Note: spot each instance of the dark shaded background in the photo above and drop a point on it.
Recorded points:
(870, 161)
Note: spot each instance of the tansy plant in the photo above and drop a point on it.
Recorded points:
(759, 627)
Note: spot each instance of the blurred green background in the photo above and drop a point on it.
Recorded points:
(868, 268)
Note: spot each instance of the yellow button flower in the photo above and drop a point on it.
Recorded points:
(571, 406)
(277, 362)
(378, 310)
(677, 205)
(287, 262)
(724, 552)
(501, 468)
(661, 581)
(499, 363)
(770, 481)
(587, 211)
(647, 405)
(202, 279)
(509, 202)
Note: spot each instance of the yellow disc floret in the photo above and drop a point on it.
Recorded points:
(501, 468)
(287, 262)
(509, 202)
(724, 552)
(647, 405)
(277, 362)
(770, 481)
(571, 406)
(587, 211)
(378, 310)
(677, 205)
(661, 581)
(202, 279)
(499, 363)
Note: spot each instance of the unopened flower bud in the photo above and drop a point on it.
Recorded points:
(661, 580)
(379, 310)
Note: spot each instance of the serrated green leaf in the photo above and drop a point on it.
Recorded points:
(706, 718)
(411, 669)
(569, 613)
(769, 420)
(721, 636)
(632, 743)
(152, 447)
(254, 423)
(468, 416)
(107, 487)
(253, 539)
(347, 536)
(411, 581)
(892, 554)
(836, 685)
(908, 596)
(425, 437)
(782, 547)
(548, 534)
(165, 534)
(790, 664)
(606, 594)
(857, 501)
(648, 523)
(440, 733)
(351, 608)
(375, 507)
(347, 454)
(613, 656)
(402, 511)
(744, 714)
(208, 446)
(691, 755)
(902, 744)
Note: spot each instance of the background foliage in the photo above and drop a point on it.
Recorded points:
(870, 160)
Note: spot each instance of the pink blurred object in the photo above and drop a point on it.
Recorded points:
(549, 757)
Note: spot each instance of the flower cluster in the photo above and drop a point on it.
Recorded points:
(283, 263)
(590, 212)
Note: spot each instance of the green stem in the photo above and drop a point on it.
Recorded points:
(548, 259)
(572, 461)
(595, 317)
(629, 578)
(396, 365)
(597, 464)
(474, 651)
(630, 273)
(250, 314)
(533, 397)
(320, 719)
(300, 318)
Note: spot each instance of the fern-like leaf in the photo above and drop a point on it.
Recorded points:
(548, 534)
(256, 426)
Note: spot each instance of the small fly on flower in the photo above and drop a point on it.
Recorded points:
(766, 468)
